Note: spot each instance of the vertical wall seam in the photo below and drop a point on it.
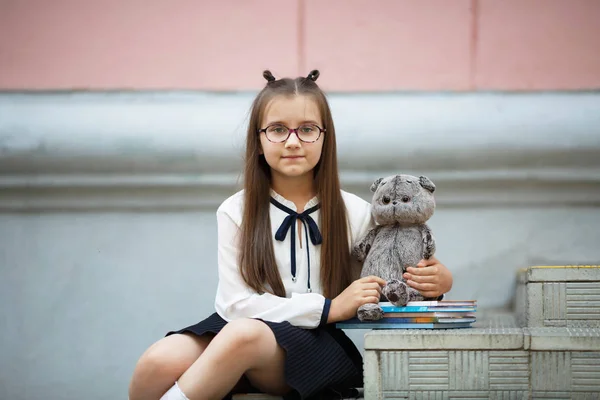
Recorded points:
(300, 40)
(474, 39)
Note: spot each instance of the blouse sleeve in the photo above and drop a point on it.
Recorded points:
(235, 299)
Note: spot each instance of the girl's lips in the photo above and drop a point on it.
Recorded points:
(292, 157)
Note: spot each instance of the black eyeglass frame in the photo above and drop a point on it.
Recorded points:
(290, 131)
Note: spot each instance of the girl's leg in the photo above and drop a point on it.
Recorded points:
(244, 346)
(163, 363)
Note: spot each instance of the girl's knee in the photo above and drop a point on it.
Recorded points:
(171, 353)
(247, 332)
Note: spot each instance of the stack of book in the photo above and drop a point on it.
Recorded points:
(439, 314)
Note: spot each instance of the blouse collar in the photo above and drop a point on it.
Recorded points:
(290, 204)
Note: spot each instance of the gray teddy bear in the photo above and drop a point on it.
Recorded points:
(401, 205)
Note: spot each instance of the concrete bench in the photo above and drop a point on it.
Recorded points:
(501, 356)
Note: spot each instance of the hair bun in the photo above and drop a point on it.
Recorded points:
(313, 75)
(268, 75)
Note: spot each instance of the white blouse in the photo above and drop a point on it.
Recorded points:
(304, 305)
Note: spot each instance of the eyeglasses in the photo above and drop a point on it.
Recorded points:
(278, 133)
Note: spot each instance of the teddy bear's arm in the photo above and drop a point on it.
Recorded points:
(361, 249)
(428, 242)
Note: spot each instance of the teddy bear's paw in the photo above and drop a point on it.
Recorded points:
(415, 295)
(356, 253)
(360, 251)
(396, 292)
(370, 312)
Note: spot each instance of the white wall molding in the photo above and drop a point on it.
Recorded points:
(77, 151)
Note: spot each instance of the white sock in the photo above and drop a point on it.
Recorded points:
(174, 393)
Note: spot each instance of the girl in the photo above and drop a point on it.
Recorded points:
(285, 271)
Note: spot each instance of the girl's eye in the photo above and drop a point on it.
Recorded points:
(307, 129)
(386, 199)
(278, 129)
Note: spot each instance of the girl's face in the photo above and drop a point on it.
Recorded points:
(292, 158)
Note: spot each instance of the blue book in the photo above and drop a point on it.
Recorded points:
(411, 320)
(384, 325)
(390, 308)
(425, 320)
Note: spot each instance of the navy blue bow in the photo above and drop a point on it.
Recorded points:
(310, 229)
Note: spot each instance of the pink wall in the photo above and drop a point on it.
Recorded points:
(359, 45)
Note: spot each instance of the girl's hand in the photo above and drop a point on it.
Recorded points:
(431, 278)
(362, 291)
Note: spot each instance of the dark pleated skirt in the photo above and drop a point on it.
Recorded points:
(320, 363)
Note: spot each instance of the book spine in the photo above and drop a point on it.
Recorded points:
(416, 320)
(467, 314)
(375, 325)
(405, 309)
(394, 309)
(446, 303)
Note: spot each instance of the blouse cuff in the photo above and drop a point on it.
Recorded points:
(325, 313)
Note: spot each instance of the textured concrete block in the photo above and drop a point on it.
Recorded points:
(534, 312)
(551, 370)
(465, 370)
(373, 375)
(565, 372)
(558, 296)
(509, 370)
(486, 361)
(394, 370)
(555, 303)
(521, 297)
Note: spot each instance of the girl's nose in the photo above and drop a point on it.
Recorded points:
(292, 140)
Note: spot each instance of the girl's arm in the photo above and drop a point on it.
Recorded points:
(235, 299)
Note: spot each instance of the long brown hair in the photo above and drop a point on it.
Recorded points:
(257, 259)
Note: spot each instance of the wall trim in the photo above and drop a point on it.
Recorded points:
(146, 151)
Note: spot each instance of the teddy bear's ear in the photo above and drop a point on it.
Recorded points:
(426, 183)
(375, 184)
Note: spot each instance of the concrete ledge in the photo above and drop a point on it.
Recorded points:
(564, 339)
(147, 150)
(558, 273)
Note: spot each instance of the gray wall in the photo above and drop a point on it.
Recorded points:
(107, 201)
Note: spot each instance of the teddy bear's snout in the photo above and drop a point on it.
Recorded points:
(404, 199)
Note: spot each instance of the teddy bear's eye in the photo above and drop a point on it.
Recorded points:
(386, 199)
(405, 199)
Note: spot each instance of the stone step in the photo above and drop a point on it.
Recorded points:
(496, 358)
(558, 296)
